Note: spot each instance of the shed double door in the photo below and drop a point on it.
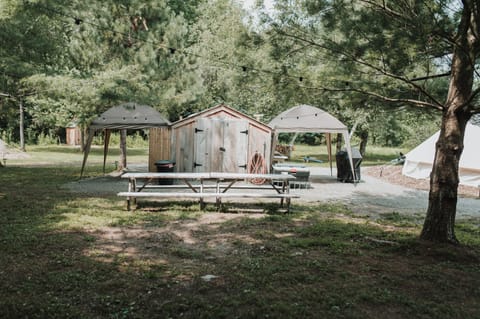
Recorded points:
(221, 145)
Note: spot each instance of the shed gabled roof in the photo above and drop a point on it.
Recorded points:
(306, 118)
(219, 109)
(129, 115)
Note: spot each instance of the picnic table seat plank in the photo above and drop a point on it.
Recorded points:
(201, 183)
(204, 195)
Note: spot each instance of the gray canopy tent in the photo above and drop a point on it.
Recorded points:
(309, 119)
(125, 116)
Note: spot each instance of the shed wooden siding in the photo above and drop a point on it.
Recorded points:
(182, 148)
(74, 136)
(259, 141)
(220, 145)
(185, 151)
(159, 146)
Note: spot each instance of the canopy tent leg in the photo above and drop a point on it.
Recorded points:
(86, 151)
(329, 150)
(123, 149)
(273, 146)
(105, 147)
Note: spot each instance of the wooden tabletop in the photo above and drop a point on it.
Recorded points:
(167, 175)
(212, 175)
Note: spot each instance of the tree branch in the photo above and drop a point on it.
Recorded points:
(370, 66)
(428, 77)
(385, 9)
(381, 97)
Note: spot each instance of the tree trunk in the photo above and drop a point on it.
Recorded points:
(363, 142)
(22, 125)
(338, 145)
(442, 201)
(122, 164)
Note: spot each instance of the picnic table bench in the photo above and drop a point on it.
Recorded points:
(208, 185)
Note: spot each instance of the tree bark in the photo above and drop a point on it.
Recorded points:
(442, 202)
(22, 125)
(123, 150)
(338, 145)
(363, 142)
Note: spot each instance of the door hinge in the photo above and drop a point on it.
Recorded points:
(244, 132)
(198, 130)
(195, 164)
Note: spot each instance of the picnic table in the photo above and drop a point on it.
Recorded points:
(215, 185)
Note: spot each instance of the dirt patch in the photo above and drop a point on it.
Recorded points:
(147, 242)
(393, 174)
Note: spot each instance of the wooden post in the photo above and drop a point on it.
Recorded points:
(123, 150)
(22, 128)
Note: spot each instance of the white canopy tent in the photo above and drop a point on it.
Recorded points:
(309, 119)
(125, 116)
(419, 161)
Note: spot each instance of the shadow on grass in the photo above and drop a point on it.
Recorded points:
(73, 255)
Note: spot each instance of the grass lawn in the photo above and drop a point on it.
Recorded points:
(67, 255)
(63, 155)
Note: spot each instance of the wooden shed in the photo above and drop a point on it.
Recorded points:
(221, 139)
(73, 134)
(160, 146)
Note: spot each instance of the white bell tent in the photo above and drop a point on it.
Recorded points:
(419, 161)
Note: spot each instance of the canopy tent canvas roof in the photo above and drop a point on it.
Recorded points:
(305, 118)
(125, 116)
(419, 161)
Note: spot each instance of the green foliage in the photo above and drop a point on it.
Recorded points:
(364, 62)
(135, 140)
(31, 43)
(105, 53)
(47, 139)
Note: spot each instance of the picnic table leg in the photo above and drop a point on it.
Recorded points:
(202, 203)
(218, 200)
(131, 203)
(134, 188)
(131, 186)
(285, 189)
(288, 204)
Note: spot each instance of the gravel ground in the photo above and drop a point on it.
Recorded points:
(381, 195)
(393, 174)
(375, 194)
